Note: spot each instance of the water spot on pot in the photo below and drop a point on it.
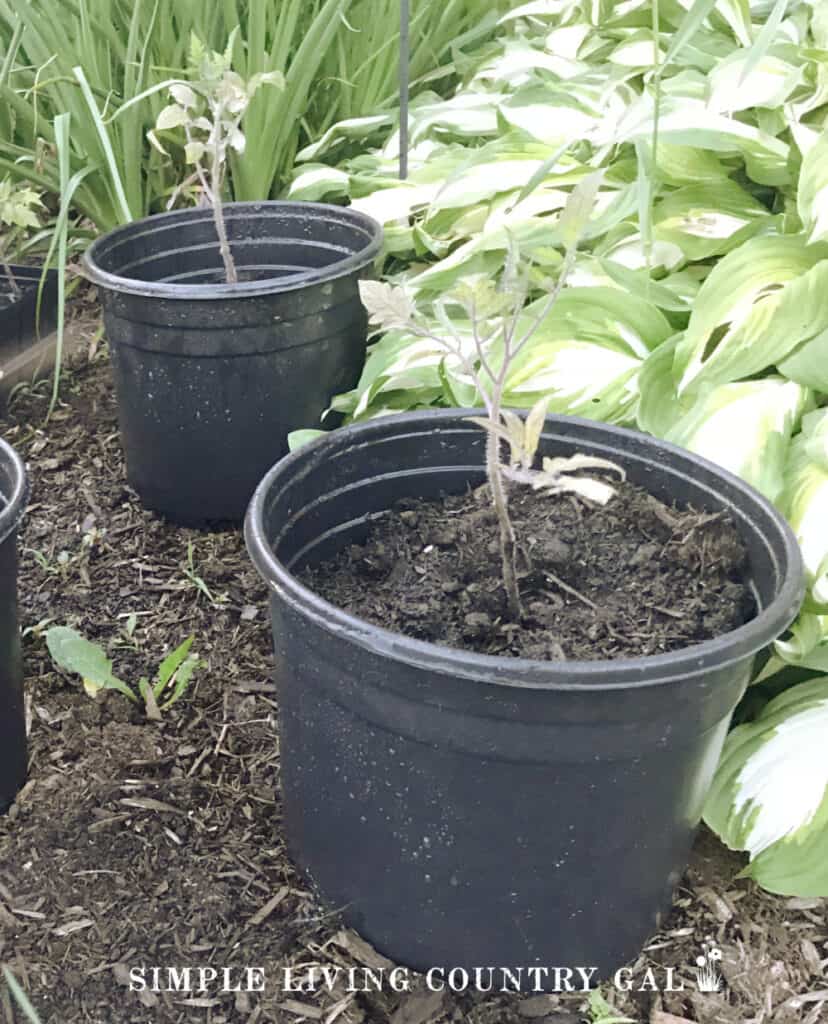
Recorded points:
(427, 877)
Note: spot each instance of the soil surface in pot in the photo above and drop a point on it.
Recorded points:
(631, 578)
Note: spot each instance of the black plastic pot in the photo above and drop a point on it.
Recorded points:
(14, 493)
(211, 377)
(19, 323)
(473, 811)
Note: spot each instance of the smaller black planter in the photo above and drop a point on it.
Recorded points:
(474, 811)
(19, 324)
(211, 377)
(14, 493)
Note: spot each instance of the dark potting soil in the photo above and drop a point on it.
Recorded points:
(632, 578)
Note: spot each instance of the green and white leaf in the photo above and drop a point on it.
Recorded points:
(806, 500)
(758, 304)
(770, 794)
(812, 197)
(746, 428)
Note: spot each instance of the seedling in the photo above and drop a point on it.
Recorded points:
(500, 334)
(197, 581)
(210, 107)
(17, 213)
(74, 653)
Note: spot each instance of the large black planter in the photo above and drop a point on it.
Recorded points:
(14, 493)
(211, 377)
(20, 323)
(473, 811)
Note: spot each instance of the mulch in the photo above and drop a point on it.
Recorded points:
(160, 843)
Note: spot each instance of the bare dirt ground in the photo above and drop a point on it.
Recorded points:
(142, 843)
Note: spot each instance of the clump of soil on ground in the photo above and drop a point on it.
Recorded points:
(630, 578)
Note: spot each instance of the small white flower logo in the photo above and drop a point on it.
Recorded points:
(708, 978)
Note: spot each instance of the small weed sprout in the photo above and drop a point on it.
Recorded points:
(74, 653)
(499, 336)
(195, 580)
(17, 213)
(210, 108)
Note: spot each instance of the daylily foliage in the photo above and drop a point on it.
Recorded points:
(696, 308)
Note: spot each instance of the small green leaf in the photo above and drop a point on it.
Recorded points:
(387, 305)
(168, 666)
(172, 116)
(183, 95)
(74, 653)
(533, 429)
(182, 680)
(194, 152)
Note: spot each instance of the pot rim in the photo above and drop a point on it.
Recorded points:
(525, 673)
(242, 289)
(15, 504)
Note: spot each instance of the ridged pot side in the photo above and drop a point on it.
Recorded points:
(491, 811)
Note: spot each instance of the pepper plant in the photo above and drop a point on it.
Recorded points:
(210, 108)
(499, 334)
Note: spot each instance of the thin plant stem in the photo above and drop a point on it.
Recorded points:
(218, 206)
(7, 270)
(500, 501)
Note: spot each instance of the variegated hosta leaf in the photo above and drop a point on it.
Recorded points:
(812, 197)
(708, 220)
(806, 645)
(466, 115)
(770, 794)
(688, 121)
(689, 165)
(745, 428)
(808, 363)
(806, 500)
(537, 9)
(483, 181)
(352, 128)
(318, 181)
(759, 303)
(580, 378)
(517, 62)
(769, 84)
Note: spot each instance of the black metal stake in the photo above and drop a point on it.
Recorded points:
(405, 56)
